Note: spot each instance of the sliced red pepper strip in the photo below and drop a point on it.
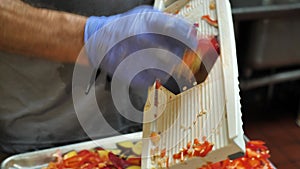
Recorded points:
(210, 21)
(89, 158)
(196, 141)
(72, 162)
(176, 156)
(202, 150)
(94, 159)
(189, 144)
(185, 152)
(134, 161)
(83, 152)
(163, 153)
(81, 158)
(256, 145)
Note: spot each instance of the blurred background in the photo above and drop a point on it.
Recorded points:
(268, 41)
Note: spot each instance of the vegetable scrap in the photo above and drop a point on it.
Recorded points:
(209, 20)
(212, 5)
(155, 138)
(197, 149)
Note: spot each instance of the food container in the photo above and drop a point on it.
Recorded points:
(41, 158)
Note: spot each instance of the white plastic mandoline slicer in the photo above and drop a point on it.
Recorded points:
(209, 111)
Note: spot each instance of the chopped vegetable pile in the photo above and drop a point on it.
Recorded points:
(256, 157)
(128, 156)
(196, 150)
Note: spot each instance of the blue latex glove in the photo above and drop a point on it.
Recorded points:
(144, 28)
(136, 48)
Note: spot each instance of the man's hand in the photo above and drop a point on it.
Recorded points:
(149, 43)
(40, 33)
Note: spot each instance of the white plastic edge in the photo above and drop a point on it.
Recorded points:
(159, 5)
(230, 72)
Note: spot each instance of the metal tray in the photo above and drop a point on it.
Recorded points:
(40, 159)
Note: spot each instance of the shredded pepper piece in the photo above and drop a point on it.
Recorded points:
(210, 21)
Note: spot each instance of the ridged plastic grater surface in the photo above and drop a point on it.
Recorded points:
(208, 110)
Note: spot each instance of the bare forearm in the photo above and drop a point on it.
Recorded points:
(39, 32)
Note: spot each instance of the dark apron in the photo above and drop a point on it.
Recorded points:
(36, 109)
